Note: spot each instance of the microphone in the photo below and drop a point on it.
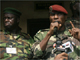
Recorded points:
(56, 28)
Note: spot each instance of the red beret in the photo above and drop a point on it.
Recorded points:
(58, 8)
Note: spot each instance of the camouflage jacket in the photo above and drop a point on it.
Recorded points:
(22, 43)
(48, 53)
(74, 21)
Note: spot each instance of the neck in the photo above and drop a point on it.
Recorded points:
(14, 30)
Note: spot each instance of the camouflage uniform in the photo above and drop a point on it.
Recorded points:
(48, 54)
(21, 41)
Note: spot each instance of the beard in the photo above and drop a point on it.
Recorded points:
(10, 27)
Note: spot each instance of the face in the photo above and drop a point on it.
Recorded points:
(10, 20)
(60, 17)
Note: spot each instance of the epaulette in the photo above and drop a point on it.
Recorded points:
(45, 30)
(42, 30)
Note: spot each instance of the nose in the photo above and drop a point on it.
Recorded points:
(56, 16)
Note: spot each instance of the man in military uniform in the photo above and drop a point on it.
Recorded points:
(14, 44)
(45, 38)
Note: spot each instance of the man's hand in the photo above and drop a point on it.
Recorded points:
(53, 25)
(62, 56)
(75, 32)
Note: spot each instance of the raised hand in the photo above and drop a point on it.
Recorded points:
(53, 25)
(75, 32)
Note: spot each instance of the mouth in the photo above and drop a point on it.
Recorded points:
(7, 23)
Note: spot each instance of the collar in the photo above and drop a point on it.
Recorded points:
(15, 36)
(16, 33)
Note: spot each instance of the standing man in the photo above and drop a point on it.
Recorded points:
(45, 38)
(14, 44)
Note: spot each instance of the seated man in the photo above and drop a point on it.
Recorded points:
(14, 44)
(45, 38)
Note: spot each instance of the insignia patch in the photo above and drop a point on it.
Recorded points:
(50, 9)
(11, 50)
(15, 37)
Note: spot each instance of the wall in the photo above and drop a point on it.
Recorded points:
(28, 11)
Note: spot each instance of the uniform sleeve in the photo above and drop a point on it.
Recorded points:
(36, 46)
(27, 42)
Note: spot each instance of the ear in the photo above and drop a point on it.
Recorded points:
(18, 19)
